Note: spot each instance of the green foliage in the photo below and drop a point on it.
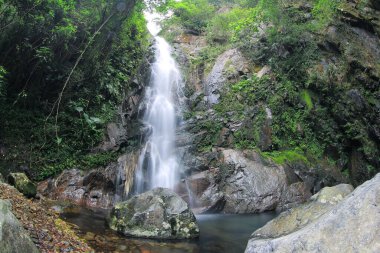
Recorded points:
(306, 98)
(40, 42)
(193, 14)
(3, 72)
(324, 11)
(220, 28)
(286, 156)
(80, 162)
(308, 90)
(209, 140)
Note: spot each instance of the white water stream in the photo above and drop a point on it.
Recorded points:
(157, 165)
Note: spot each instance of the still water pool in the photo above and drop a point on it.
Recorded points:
(220, 233)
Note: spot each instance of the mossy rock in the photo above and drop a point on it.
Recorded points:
(23, 184)
(159, 213)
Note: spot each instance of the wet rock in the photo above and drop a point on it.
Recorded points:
(265, 141)
(13, 237)
(159, 213)
(228, 68)
(23, 184)
(334, 220)
(201, 192)
(98, 188)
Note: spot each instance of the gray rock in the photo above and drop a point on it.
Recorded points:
(202, 192)
(13, 237)
(228, 67)
(117, 134)
(99, 188)
(244, 183)
(300, 216)
(331, 222)
(159, 213)
(256, 187)
(264, 71)
(23, 184)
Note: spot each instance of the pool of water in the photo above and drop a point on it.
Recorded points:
(219, 233)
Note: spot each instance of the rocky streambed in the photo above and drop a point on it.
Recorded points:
(336, 219)
(218, 233)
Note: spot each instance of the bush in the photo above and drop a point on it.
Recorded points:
(193, 14)
(49, 49)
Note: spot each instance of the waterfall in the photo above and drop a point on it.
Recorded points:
(157, 165)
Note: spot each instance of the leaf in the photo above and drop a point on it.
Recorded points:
(58, 140)
(79, 109)
(96, 120)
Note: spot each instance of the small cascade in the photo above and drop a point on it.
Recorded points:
(157, 165)
(192, 198)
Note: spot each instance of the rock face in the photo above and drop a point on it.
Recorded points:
(229, 66)
(91, 189)
(22, 183)
(159, 213)
(330, 222)
(98, 188)
(244, 183)
(13, 237)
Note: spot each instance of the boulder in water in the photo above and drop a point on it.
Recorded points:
(23, 184)
(159, 213)
(334, 220)
(13, 237)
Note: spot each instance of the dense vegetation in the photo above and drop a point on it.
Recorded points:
(64, 68)
(323, 91)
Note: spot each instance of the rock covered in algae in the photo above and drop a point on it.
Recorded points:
(159, 213)
(22, 183)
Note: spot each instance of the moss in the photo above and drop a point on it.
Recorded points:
(306, 98)
(286, 156)
(22, 183)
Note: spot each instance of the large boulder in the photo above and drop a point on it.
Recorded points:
(13, 237)
(245, 183)
(159, 213)
(298, 217)
(255, 186)
(330, 222)
(22, 183)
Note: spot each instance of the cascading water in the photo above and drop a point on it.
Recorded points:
(157, 165)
